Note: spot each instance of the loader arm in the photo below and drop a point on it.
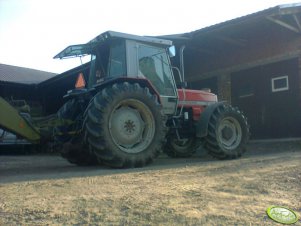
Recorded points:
(12, 121)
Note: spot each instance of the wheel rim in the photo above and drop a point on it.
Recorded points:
(132, 126)
(229, 133)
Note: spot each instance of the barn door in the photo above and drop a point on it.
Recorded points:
(269, 95)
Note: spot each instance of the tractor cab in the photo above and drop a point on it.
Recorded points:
(116, 55)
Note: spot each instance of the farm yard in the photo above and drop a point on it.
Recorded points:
(219, 84)
(47, 190)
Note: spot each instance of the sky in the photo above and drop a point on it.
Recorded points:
(33, 31)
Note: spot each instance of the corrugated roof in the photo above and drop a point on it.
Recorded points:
(22, 75)
(276, 10)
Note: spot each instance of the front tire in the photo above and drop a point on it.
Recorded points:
(228, 133)
(124, 125)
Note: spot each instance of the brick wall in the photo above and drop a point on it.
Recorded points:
(224, 87)
(300, 78)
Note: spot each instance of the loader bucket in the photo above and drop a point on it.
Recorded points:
(12, 121)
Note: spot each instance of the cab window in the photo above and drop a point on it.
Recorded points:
(117, 63)
(154, 65)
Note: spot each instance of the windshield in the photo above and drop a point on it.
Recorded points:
(154, 65)
(99, 63)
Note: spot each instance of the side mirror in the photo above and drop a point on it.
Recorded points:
(172, 51)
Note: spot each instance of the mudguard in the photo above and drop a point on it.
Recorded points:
(142, 81)
(202, 124)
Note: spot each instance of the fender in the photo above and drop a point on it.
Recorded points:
(142, 81)
(202, 124)
(89, 93)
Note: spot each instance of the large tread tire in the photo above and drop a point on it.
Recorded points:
(69, 111)
(228, 133)
(180, 149)
(116, 119)
(70, 145)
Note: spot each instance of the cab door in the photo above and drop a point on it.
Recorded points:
(153, 63)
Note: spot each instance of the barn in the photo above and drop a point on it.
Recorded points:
(19, 84)
(254, 63)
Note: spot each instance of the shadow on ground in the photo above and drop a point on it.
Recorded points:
(31, 167)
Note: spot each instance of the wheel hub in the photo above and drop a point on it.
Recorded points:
(229, 133)
(127, 126)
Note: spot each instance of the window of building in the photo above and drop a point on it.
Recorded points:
(280, 83)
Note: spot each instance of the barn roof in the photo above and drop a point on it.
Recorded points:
(275, 14)
(22, 75)
(286, 16)
(212, 44)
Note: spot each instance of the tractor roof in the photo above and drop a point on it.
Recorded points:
(84, 49)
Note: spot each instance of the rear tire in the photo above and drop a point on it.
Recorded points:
(70, 145)
(228, 133)
(124, 125)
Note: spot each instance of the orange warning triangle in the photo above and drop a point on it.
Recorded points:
(80, 82)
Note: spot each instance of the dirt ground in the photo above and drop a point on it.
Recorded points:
(46, 190)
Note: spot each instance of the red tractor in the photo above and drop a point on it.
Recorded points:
(127, 107)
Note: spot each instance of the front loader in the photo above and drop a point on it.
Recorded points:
(128, 107)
